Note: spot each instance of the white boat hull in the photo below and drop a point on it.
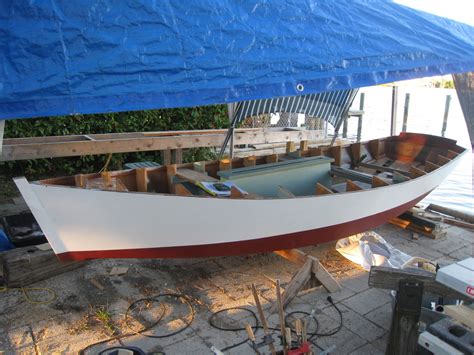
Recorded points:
(82, 224)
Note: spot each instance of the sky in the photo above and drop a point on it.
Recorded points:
(459, 10)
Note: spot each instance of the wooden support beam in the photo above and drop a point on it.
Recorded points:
(451, 154)
(283, 192)
(415, 172)
(336, 154)
(352, 186)
(77, 145)
(374, 147)
(273, 158)
(443, 160)
(141, 176)
(290, 147)
(236, 193)
(378, 182)
(181, 190)
(397, 177)
(170, 174)
(225, 164)
(200, 167)
(304, 145)
(322, 190)
(356, 153)
(299, 257)
(80, 180)
(383, 168)
(429, 166)
(261, 315)
(389, 278)
(403, 335)
(250, 161)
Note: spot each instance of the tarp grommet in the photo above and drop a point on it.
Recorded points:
(300, 87)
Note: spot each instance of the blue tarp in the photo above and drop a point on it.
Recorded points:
(88, 56)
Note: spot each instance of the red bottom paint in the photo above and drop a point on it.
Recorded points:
(279, 242)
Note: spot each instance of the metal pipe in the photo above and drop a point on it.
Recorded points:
(405, 112)
(393, 123)
(446, 113)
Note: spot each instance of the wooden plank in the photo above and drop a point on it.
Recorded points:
(170, 174)
(67, 146)
(141, 177)
(250, 161)
(263, 320)
(352, 186)
(281, 317)
(378, 182)
(397, 178)
(389, 278)
(462, 314)
(304, 145)
(200, 167)
(443, 160)
(25, 266)
(194, 176)
(429, 166)
(290, 147)
(314, 152)
(322, 190)
(225, 164)
(283, 192)
(295, 285)
(178, 156)
(181, 190)
(415, 172)
(272, 158)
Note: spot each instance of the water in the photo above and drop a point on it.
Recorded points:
(425, 115)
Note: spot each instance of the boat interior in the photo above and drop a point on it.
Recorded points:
(299, 172)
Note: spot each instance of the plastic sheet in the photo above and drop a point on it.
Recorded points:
(370, 249)
(89, 56)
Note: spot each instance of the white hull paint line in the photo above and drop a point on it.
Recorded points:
(76, 219)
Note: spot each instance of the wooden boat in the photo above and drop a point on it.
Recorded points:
(291, 200)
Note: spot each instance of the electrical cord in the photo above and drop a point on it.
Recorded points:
(191, 315)
(257, 325)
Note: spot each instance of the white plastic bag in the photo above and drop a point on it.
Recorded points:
(369, 248)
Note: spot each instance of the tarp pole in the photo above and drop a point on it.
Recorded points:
(230, 113)
(2, 129)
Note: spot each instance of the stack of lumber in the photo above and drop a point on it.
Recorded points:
(413, 222)
(25, 266)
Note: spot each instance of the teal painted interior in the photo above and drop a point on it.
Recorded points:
(297, 175)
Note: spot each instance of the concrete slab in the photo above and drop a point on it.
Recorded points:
(366, 301)
(381, 316)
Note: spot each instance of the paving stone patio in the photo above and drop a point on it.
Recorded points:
(71, 324)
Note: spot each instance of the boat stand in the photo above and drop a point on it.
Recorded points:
(311, 274)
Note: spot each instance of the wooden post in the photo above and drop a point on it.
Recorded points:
(225, 164)
(250, 161)
(359, 122)
(80, 180)
(403, 337)
(177, 156)
(344, 127)
(290, 147)
(446, 113)
(170, 173)
(142, 179)
(166, 157)
(405, 112)
(304, 145)
(393, 122)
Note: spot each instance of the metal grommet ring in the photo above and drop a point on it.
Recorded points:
(300, 87)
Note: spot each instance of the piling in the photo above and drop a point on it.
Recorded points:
(446, 113)
(393, 123)
(405, 112)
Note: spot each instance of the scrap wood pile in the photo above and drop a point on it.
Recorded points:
(427, 223)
